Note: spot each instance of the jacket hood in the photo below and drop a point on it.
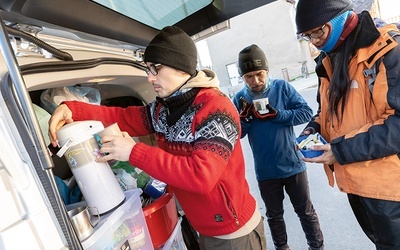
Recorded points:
(204, 79)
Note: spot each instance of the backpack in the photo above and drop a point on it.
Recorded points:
(373, 71)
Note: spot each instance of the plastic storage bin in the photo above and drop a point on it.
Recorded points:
(175, 241)
(308, 153)
(124, 228)
(161, 217)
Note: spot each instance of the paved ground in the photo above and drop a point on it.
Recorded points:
(339, 226)
(304, 83)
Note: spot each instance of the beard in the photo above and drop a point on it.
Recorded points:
(258, 88)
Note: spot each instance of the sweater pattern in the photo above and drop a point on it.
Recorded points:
(216, 133)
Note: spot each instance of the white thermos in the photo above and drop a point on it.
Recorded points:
(96, 180)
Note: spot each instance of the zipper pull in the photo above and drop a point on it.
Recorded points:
(236, 220)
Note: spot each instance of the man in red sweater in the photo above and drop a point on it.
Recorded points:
(199, 154)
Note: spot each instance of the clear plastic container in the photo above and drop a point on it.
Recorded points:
(175, 241)
(121, 228)
(161, 217)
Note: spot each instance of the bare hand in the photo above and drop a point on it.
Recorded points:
(60, 116)
(326, 158)
(116, 147)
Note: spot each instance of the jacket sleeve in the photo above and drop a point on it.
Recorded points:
(135, 119)
(314, 125)
(296, 110)
(383, 137)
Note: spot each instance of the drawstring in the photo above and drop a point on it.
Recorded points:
(190, 78)
(163, 100)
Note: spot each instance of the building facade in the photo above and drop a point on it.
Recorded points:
(273, 29)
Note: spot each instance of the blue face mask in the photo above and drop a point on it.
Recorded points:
(337, 25)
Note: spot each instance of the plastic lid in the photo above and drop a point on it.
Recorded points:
(78, 132)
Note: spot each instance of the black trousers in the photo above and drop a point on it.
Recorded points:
(379, 219)
(272, 192)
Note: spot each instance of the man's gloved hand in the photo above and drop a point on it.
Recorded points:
(247, 112)
(271, 114)
(308, 131)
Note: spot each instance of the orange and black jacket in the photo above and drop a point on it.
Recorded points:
(366, 144)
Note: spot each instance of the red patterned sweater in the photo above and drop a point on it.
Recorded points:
(199, 155)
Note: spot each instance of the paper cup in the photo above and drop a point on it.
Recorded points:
(113, 129)
(261, 105)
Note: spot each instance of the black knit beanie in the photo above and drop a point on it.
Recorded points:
(251, 58)
(314, 13)
(174, 48)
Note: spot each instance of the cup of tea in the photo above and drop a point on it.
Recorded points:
(82, 221)
(113, 129)
(261, 105)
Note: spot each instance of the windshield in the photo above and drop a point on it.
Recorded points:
(156, 14)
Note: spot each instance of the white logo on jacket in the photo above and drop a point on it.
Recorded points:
(354, 84)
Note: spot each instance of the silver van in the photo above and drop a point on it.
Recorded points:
(47, 45)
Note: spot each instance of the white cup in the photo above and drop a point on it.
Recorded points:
(261, 105)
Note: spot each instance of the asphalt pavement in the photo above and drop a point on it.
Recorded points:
(305, 83)
(338, 224)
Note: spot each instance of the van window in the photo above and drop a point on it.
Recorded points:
(156, 14)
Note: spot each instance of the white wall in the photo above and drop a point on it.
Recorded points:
(273, 29)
